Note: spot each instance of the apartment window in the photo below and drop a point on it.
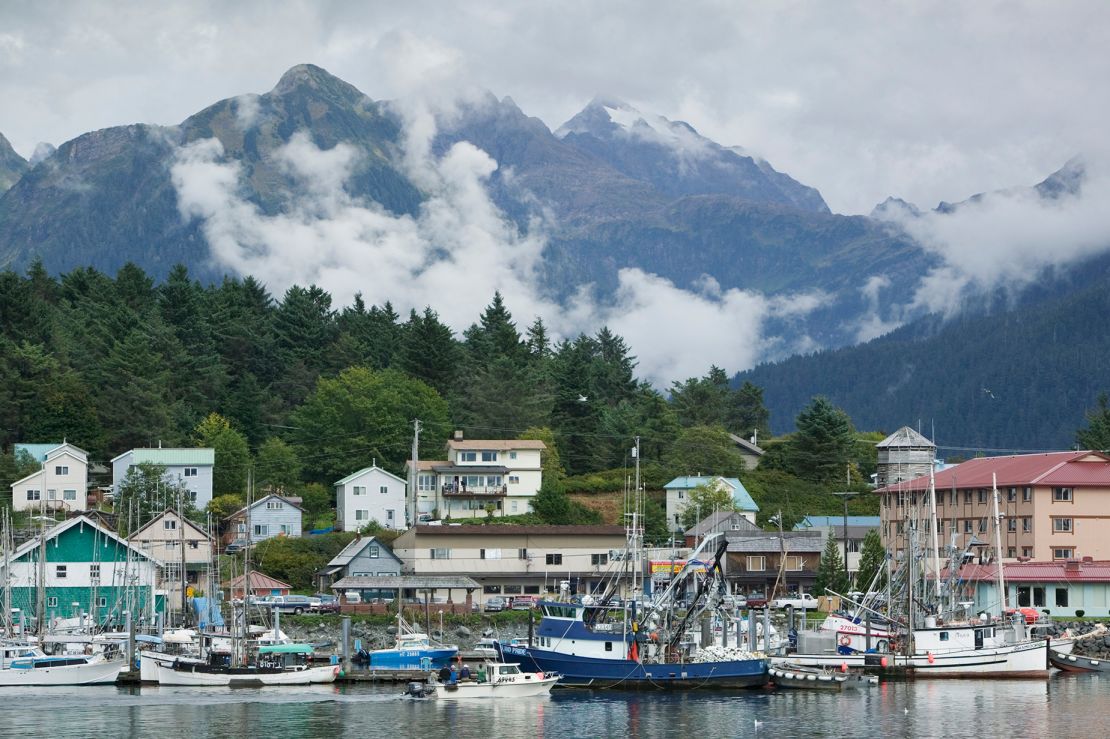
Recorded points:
(489, 456)
(102, 602)
(1011, 495)
(33, 495)
(967, 526)
(426, 483)
(1011, 552)
(51, 494)
(1026, 524)
(389, 515)
(952, 497)
(69, 495)
(1063, 553)
(94, 572)
(599, 559)
(982, 525)
(794, 563)
(1061, 495)
(1062, 525)
(59, 571)
(967, 497)
(522, 554)
(1011, 524)
(261, 529)
(286, 529)
(52, 602)
(492, 589)
(1027, 551)
(61, 469)
(359, 490)
(757, 564)
(1027, 494)
(514, 479)
(491, 553)
(512, 455)
(982, 495)
(681, 494)
(512, 589)
(190, 472)
(554, 559)
(274, 505)
(169, 524)
(373, 551)
(468, 456)
(1061, 597)
(362, 515)
(441, 554)
(383, 489)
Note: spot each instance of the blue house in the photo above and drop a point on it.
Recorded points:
(363, 557)
(679, 488)
(268, 517)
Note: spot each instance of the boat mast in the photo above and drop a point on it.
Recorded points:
(181, 545)
(998, 547)
(8, 627)
(936, 544)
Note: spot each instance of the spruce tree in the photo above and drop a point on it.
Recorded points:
(830, 571)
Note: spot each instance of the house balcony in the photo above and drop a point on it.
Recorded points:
(463, 491)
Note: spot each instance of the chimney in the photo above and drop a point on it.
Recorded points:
(1072, 565)
(458, 436)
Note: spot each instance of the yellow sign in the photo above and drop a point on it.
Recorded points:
(674, 566)
(189, 592)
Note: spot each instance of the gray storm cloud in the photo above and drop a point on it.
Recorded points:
(455, 253)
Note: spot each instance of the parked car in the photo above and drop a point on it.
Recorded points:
(235, 546)
(756, 600)
(524, 602)
(326, 603)
(296, 604)
(798, 602)
(494, 604)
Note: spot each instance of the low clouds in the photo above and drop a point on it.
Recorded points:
(455, 253)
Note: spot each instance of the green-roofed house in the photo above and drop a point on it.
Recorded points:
(679, 489)
(189, 467)
(88, 570)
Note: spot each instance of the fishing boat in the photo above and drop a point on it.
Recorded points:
(278, 664)
(498, 680)
(1077, 662)
(412, 650)
(789, 675)
(22, 664)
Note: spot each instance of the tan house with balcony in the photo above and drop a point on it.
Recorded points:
(480, 477)
(1054, 506)
(185, 548)
(513, 560)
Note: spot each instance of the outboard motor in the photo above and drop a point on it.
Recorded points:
(419, 690)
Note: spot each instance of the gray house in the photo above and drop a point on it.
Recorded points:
(269, 517)
(190, 468)
(363, 557)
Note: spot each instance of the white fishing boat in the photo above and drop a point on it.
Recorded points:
(498, 680)
(279, 664)
(27, 665)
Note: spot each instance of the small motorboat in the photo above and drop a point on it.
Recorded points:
(498, 680)
(1077, 662)
(787, 675)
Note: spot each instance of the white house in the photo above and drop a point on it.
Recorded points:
(480, 475)
(60, 485)
(268, 517)
(371, 494)
(678, 491)
(189, 467)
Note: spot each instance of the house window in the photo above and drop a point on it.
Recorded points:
(522, 554)
(1011, 552)
(1062, 597)
(389, 514)
(982, 495)
(359, 490)
(492, 589)
(967, 525)
(194, 544)
(967, 497)
(1011, 524)
(489, 456)
(1011, 495)
(514, 479)
(286, 529)
(51, 494)
(102, 602)
(261, 529)
(362, 515)
(1062, 553)
(59, 571)
(1027, 524)
(169, 524)
(599, 559)
(757, 564)
(274, 505)
(190, 472)
(1038, 596)
(426, 483)
(794, 563)
(69, 494)
(1027, 551)
(1027, 494)
(1062, 525)
(681, 494)
(1061, 495)
(33, 495)
(468, 456)
(513, 505)
(52, 602)
(491, 553)
(982, 525)
(383, 489)
(553, 559)
(952, 497)
(94, 572)
(61, 469)
(441, 554)
(512, 455)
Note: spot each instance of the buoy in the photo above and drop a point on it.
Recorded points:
(843, 666)
(882, 661)
(932, 659)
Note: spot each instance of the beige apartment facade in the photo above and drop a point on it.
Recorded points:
(1053, 506)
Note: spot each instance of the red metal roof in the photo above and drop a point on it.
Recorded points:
(259, 581)
(1021, 572)
(1062, 469)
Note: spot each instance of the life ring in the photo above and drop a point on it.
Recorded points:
(845, 640)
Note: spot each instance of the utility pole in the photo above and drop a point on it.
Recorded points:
(414, 474)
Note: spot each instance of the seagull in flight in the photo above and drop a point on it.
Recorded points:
(582, 398)
(988, 393)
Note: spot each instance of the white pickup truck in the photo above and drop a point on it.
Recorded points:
(797, 602)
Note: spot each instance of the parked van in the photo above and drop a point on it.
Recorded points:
(352, 596)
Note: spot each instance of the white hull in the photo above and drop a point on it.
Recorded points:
(98, 671)
(149, 661)
(528, 687)
(1027, 659)
(247, 678)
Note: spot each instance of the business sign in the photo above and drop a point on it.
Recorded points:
(674, 566)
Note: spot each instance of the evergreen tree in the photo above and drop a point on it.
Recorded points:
(824, 446)
(1097, 434)
(277, 466)
(701, 401)
(429, 352)
(704, 450)
(830, 571)
(745, 412)
(233, 457)
(872, 561)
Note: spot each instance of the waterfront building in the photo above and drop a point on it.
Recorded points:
(185, 467)
(60, 484)
(858, 527)
(268, 517)
(364, 556)
(1061, 588)
(184, 548)
(371, 494)
(756, 560)
(678, 492)
(261, 586)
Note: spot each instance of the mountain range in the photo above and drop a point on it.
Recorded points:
(614, 188)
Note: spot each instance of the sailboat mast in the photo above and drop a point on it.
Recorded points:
(998, 547)
(936, 543)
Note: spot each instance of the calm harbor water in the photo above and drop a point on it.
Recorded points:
(1063, 706)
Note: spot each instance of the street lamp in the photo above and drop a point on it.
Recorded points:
(845, 495)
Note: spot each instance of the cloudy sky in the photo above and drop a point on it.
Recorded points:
(923, 100)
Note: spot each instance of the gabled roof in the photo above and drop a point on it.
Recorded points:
(740, 496)
(56, 531)
(769, 541)
(356, 547)
(425, 465)
(810, 522)
(1056, 571)
(363, 471)
(496, 444)
(62, 451)
(906, 437)
(263, 499)
(1061, 469)
(158, 519)
(200, 457)
(43, 452)
(258, 580)
(721, 521)
(748, 446)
